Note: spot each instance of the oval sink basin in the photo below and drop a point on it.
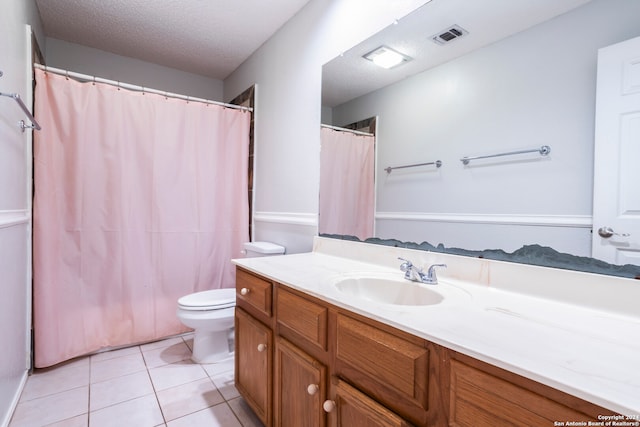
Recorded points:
(388, 291)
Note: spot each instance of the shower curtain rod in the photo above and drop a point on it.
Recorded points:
(357, 132)
(88, 78)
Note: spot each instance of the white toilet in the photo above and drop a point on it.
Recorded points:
(211, 313)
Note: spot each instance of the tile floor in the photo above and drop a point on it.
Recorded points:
(150, 385)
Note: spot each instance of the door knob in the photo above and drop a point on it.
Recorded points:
(607, 232)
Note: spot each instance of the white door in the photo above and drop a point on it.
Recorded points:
(616, 188)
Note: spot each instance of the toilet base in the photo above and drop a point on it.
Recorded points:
(211, 346)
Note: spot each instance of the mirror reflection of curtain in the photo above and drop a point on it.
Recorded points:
(346, 183)
(139, 200)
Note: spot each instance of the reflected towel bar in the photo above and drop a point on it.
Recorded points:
(438, 163)
(21, 123)
(544, 150)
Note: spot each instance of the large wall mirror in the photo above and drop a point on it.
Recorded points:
(485, 79)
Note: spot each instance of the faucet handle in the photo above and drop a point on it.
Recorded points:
(406, 265)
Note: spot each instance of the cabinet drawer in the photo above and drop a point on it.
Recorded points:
(387, 362)
(481, 399)
(255, 290)
(302, 316)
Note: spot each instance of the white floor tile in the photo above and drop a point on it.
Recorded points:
(160, 344)
(182, 400)
(103, 370)
(120, 389)
(216, 416)
(112, 354)
(244, 413)
(176, 352)
(141, 412)
(176, 374)
(79, 421)
(189, 341)
(52, 408)
(221, 368)
(225, 383)
(44, 382)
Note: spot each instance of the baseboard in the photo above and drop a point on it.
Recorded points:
(6, 418)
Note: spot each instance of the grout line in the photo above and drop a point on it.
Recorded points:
(153, 387)
(89, 386)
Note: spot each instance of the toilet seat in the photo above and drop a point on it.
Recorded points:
(215, 299)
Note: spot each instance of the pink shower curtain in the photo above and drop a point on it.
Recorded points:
(346, 183)
(139, 200)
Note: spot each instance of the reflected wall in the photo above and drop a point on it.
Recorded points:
(534, 88)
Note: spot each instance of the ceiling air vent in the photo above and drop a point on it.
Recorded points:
(452, 33)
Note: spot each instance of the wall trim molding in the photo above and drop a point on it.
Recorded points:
(572, 221)
(296, 218)
(11, 218)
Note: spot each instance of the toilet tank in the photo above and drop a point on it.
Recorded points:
(258, 249)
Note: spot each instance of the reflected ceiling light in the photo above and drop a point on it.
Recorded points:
(386, 57)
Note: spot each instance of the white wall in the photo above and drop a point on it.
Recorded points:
(99, 63)
(534, 88)
(287, 72)
(15, 203)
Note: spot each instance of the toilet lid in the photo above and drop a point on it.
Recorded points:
(215, 299)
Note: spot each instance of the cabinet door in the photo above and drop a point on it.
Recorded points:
(350, 408)
(300, 387)
(253, 359)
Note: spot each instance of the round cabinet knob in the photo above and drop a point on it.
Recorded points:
(244, 291)
(312, 389)
(329, 405)
(262, 347)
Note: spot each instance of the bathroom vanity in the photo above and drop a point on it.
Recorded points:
(314, 347)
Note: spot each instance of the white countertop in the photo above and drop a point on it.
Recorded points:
(589, 353)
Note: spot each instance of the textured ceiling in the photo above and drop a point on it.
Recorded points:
(487, 21)
(207, 37)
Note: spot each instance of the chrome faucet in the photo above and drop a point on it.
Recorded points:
(415, 274)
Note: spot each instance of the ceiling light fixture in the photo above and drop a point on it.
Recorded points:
(386, 57)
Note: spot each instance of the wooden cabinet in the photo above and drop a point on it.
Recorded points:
(300, 387)
(349, 407)
(391, 367)
(302, 320)
(253, 364)
(255, 291)
(290, 346)
(484, 395)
